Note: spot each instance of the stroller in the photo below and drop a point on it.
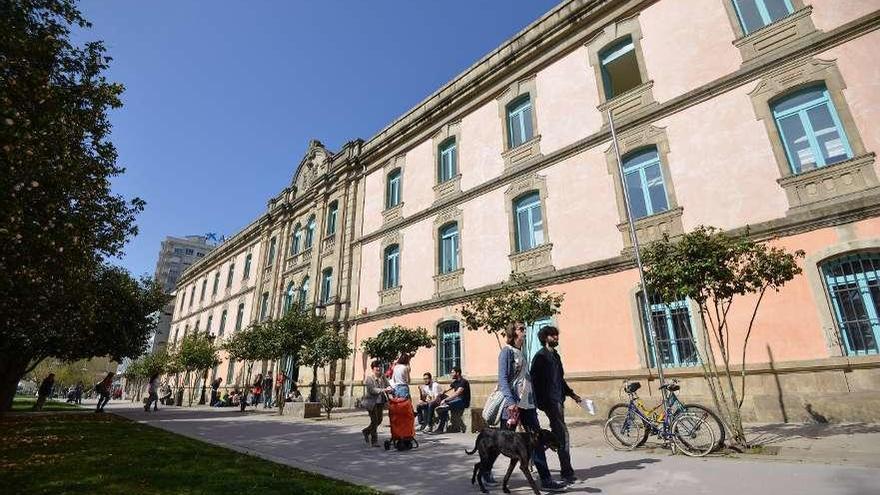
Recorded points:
(403, 431)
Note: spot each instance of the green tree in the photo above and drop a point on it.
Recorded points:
(327, 348)
(60, 219)
(514, 301)
(396, 340)
(714, 269)
(194, 353)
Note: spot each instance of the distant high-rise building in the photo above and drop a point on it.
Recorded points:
(176, 254)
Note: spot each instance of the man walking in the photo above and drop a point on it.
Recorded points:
(45, 391)
(550, 388)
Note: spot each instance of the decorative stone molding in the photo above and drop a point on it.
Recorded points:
(795, 28)
(532, 261)
(635, 100)
(652, 228)
(448, 283)
(398, 162)
(531, 148)
(394, 214)
(445, 283)
(327, 244)
(533, 182)
(389, 297)
(452, 186)
(832, 183)
(306, 256)
(447, 189)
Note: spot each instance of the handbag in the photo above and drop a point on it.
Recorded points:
(492, 408)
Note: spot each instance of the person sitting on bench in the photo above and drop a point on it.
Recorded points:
(458, 398)
(430, 396)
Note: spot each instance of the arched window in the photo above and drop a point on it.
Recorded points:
(449, 246)
(620, 67)
(332, 212)
(392, 189)
(296, 239)
(391, 267)
(644, 182)
(853, 284)
(304, 293)
(755, 14)
(519, 121)
(528, 221)
(310, 232)
(326, 285)
(672, 324)
(448, 347)
(289, 297)
(810, 129)
(447, 160)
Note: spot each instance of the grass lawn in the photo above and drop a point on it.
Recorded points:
(103, 453)
(26, 403)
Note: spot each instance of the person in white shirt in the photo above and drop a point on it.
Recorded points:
(400, 376)
(429, 398)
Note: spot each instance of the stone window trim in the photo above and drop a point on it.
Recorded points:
(697, 330)
(822, 299)
(635, 100)
(531, 148)
(795, 27)
(451, 282)
(537, 259)
(451, 187)
(827, 183)
(652, 227)
(391, 295)
(393, 213)
(461, 350)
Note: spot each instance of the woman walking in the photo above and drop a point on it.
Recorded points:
(153, 393)
(375, 388)
(519, 400)
(257, 390)
(400, 376)
(103, 389)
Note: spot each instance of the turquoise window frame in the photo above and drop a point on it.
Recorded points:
(247, 266)
(331, 218)
(860, 274)
(392, 189)
(216, 285)
(239, 317)
(532, 344)
(448, 339)
(630, 169)
(264, 306)
(449, 248)
(271, 258)
(230, 275)
(326, 285)
(677, 344)
(391, 267)
(801, 112)
(303, 294)
(520, 111)
(763, 11)
(310, 233)
(289, 296)
(447, 160)
(296, 239)
(528, 208)
(222, 324)
(609, 54)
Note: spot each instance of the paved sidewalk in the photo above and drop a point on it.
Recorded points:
(335, 448)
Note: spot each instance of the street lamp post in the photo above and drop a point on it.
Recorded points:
(205, 377)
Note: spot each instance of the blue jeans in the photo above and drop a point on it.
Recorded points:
(401, 391)
(267, 398)
(529, 419)
(443, 412)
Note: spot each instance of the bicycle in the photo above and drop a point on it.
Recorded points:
(677, 407)
(686, 431)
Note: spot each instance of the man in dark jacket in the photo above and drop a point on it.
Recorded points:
(45, 391)
(550, 388)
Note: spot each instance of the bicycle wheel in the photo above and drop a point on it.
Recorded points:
(713, 420)
(693, 435)
(623, 408)
(623, 433)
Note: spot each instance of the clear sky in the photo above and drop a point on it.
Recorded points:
(222, 97)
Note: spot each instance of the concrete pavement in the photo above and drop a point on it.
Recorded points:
(335, 448)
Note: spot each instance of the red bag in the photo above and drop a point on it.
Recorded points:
(400, 412)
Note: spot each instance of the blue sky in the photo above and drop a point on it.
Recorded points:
(222, 97)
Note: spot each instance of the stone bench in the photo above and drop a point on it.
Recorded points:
(302, 410)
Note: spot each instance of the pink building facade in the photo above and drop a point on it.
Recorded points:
(730, 113)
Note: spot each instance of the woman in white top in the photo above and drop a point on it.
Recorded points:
(400, 376)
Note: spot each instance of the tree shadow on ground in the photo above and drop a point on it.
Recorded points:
(606, 469)
(781, 432)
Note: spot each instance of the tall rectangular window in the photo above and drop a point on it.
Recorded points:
(192, 295)
(264, 306)
(532, 344)
(271, 257)
(620, 68)
(304, 294)
(296, 242)
(755, 14)
(810, 130)
(230, 372)
(519, 121)
(447, 160)
(202, 292)
(645, 187)
(239, 317)
(222, 324)
(216, 283)
(448, 348)
(331, 218)
(326, 285)
(210, 321)
(529, 224)
(391, 267)
(247, 267)
(229, 275)
(310, 233)
(449, 248)
(675, 339)
(853, 284)
(392, 189)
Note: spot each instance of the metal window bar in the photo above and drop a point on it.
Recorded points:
(853, 284)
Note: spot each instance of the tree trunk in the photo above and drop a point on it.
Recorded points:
(13, 366)
(313, 394)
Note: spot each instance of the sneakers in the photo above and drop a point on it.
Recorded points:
(552, 486)
(570, 479)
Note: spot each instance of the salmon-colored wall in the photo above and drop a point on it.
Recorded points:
(582, 213)
(480, 153)
(370, 275)
(374, 201)
(418, 180)
(829, 14)
(485, 240)
(680, 56)
(417, 262)
(567, 97)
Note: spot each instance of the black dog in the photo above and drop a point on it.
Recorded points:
(518, 446)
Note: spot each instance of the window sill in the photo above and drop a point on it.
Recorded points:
(652, 228)
(393, 214)
(389, 297)
(795, 27)
(830, 184)
(447, 189)
(327, 244)
(522, 153)
(631, 102)
(448, 283)
(534, 260)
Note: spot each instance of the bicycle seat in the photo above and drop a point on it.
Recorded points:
(672, 387)
(632, 387)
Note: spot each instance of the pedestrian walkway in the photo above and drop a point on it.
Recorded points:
(336, 448)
